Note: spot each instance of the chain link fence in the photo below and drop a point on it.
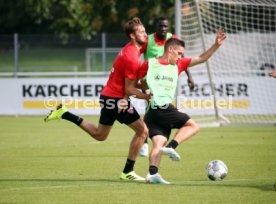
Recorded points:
(31, 54)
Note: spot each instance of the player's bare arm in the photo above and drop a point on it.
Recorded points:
(142, 84)
(208, 53)
(131, 90)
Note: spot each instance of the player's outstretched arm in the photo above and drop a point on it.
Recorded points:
(131, 90)
(208, 53)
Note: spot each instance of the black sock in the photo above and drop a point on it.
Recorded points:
(173, 144)
(129, 166)
(153, 170)
(71, 117)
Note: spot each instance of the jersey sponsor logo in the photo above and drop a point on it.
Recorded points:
(157, 77)
(167, 78)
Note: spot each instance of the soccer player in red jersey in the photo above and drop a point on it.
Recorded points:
(122, 83)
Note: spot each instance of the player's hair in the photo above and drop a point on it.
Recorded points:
(131, 26)
(174, 42)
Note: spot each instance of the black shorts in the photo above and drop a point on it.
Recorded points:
(109, 112)
(161, 120)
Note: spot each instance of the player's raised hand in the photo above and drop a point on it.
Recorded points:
(272, 74)
(191, 83)
(220, 36)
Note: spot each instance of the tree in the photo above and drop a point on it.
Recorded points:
(15, 17)
(83, 17)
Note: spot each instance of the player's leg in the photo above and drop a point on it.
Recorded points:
(181, 121)
(106, 121)
(132, 119)
(137, 141)
(158, 141)
(189, 129)
(144, 151)
(141, 132)
(99, 132)
(159, 135)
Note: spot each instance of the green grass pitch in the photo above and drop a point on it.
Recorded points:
(57, 162)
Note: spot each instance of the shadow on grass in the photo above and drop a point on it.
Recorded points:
(234, 184)
(88, 182)
(84, 181)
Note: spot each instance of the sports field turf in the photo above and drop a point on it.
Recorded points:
(58, 163)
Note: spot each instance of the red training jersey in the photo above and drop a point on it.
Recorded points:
(182, 65)
(126, 65)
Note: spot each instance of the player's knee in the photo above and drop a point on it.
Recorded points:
(196, 128)
(146, 131)
(100, 137)
(193, 125)
(143, 132)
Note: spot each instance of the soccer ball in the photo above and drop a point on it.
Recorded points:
(216, 170)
